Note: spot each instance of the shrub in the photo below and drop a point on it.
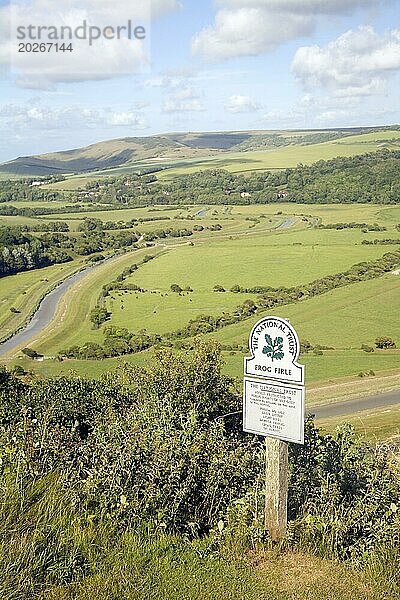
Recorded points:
(305, 346)
(163, 448)
(98, 316)
(176, 288)
(18, 371)
(384, 343)
(367, 348)
(30, 353)
(155, 438)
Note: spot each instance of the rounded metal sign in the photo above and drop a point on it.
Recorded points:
(275, 348)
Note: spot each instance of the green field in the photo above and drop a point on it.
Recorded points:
(16, 221)
(333, 364)
(23, 291)
(268, 261)
(374, 425)
(343, 318)
(244, 252)
(176, 164)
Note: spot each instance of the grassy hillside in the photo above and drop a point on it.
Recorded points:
(242, 151)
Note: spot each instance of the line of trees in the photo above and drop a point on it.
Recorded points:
(367, 178)
(22, 252)
(268, 298)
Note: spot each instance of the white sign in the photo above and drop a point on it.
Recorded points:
(275, 348)
(274, 410)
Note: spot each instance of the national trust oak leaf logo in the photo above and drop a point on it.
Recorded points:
(274, 348)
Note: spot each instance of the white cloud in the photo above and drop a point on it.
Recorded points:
(186, 100)
(357, 63)
(348, 118)
(24, 118)
(107, 57)
(241, 104)
(303, 6)
(125, 119)
(247, 32)
(252, 27)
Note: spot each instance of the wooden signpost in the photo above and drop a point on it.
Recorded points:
(273, 406)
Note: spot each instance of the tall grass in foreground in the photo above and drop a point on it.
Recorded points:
(52, 550)
(161, 491)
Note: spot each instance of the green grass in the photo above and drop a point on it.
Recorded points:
(390, 214)
(172, 569)
(332, 365)
(24, 290)
(34, 204)
(165, 311)
(343, 318)
(374, 425)
(176, 163)
(272, 260)
(17, 220)
(51, 550)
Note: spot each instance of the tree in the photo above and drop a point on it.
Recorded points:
(30, 353)
(98, 316)
(18, 371)
(384, 343)
(176, 288)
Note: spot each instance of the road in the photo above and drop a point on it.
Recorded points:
(349, 407)
(48, 308)
(287, 223)
(44, 314)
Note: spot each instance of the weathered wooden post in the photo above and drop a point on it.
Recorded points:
(273, 406)
(276, 487)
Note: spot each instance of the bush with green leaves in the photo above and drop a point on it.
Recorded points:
(142, 445)
(344, 502)
(30, 353)
(367, 348)
(162, 448)
(385, 343)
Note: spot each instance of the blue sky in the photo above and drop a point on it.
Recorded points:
(213, 65)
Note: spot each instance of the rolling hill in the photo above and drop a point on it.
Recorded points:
(129, 151)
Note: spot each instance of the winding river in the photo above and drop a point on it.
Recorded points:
(45, 312)
(48, 306)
